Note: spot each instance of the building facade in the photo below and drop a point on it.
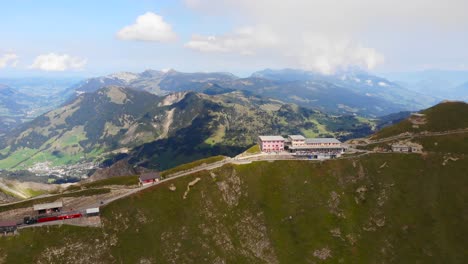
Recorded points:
(314, 148)
(271, 143)
(319, 148)
(409, 147)
(296, 140)
(149, 177)
(400, 148)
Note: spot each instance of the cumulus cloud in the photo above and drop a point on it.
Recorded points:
(245, 41)
(8, 60)
(326, 35)
(307, 51)
(148, 27)
(324, 55)
(58, 62)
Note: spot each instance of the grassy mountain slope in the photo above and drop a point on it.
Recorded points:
(351, 211)
(162, 131)
(442, 117)
(84, 127)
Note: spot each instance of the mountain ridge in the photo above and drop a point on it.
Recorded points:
(169, 130)
(349, 90)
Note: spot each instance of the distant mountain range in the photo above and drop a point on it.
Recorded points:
(164, 131)
(13, 101)
(156, 82)
(14, 106)
(439, 83)
(345, 92)
(22, 99)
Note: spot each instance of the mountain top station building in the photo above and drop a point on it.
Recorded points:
(296, 140)
(298, 145)
(271, 143)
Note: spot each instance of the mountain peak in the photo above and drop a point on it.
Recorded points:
(443, 117)
(124, 76)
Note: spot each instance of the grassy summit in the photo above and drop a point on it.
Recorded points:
(442, 117)
(380, 208)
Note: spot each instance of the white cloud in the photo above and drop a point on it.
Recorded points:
(148, 27)
(245, 41)
(303, 50)
(326, 35)
(324, 55)
(8, 60)
(58, 62)
(383, 84)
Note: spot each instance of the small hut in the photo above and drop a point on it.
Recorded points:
(149, 177)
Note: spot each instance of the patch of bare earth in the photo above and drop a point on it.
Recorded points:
(231, 189)
(167, 123)
(70, 251)
(189, 185)
(323, 253)
(254, 238)
(172, 98)
(334, 203)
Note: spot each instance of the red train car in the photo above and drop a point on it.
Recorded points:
(69, 216)
(63, 216)
(47, 219)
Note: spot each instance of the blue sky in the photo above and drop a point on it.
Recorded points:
(89, 37)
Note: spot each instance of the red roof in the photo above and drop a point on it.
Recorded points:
(7, 223)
